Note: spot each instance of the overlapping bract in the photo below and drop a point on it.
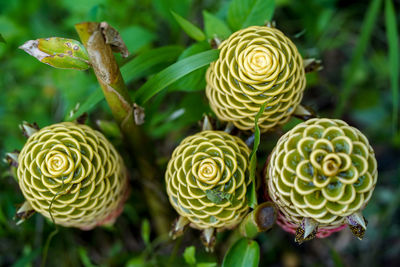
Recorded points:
(256, 65)
(322, 169)
(206, 165)
(79, 168)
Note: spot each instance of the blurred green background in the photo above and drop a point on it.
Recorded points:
(356, 41)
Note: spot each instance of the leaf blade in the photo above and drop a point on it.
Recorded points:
(190, 29)
(90, 102)
(365, 36)
(253, 158)
(214, 26)
(172, 73)
(58, 52)
(243, 253)
(244, 13)
(393, 55)
(140, 65)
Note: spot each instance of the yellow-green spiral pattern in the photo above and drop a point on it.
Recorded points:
(322, 169)
(256, 65)
(80, 166)
(209, 160)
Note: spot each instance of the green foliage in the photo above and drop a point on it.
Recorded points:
(244, 13)
(394, 58)
(365, 36)
(191, 30)
(357, 41)
(59, 52)
(215, 27)
(244, 253)
(2, 40)
(190, 255)
(252, 197)
(172, 73)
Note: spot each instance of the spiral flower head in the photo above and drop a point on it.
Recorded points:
(324, 170)
(256, 65)
(207, 178)
(76, 170)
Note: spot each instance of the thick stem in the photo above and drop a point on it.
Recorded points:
(117, 96)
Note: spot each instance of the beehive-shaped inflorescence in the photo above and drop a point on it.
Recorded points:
(324, 170)
(207, 178)
(76, 170)
(256, 65)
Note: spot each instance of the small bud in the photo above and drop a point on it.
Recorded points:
(304, 113)
(28, 129)
(207, 126)
(24, 212)
(357, 224)
(12, 158)
(208, 239)
(312, 64)
(178, 227)
(229, 127)
(306, 231)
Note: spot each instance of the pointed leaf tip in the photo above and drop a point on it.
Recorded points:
(306, 231)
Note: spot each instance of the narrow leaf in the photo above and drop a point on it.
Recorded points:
(244, 253)
(195, 80)
(146, 231)
(394, 59)
(244, 13)
(2, 40)
(90, 102)
(58, 52)
(215, 27)
(141, 65)
(369, 24)
(172, 73)
(191, 30)
(253, 159)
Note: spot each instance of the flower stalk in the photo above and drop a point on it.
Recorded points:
(110, 79)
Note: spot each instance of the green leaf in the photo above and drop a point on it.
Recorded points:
(191, 30)
(394, 59)
(172, 73)
(218, 197)
(252, 198)
(90, 102)
(136, 37)
(190, 255)
(84, 257)
(244, 253)
(214, 26)
(193, 81)
(109, 128)
(58, 52)
(146, 231)
(245, 13)
(2, 40)
(369, 24)
(141, 65)
(206, 264)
